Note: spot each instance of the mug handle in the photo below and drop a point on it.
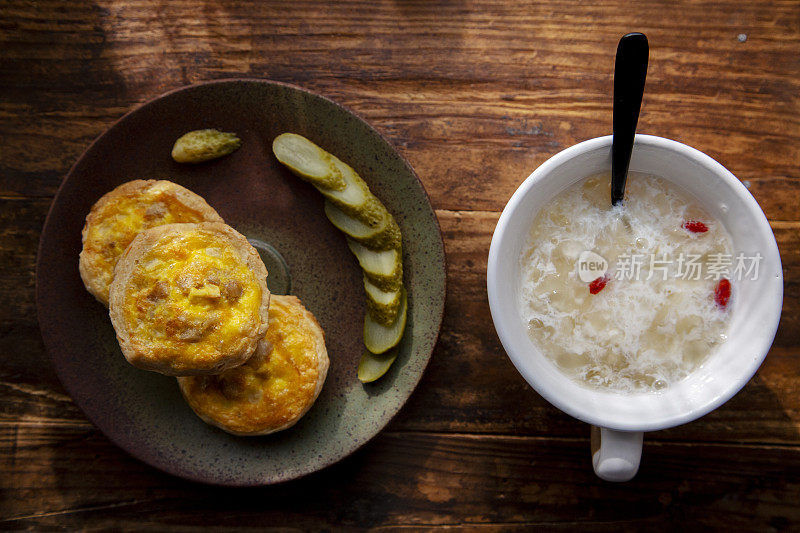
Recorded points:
(616, 454)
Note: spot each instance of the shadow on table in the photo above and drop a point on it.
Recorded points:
(756, 414)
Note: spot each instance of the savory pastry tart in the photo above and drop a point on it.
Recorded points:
(189, 299)
(275, 387)
(121, 214)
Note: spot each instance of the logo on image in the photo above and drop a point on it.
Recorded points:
(591, 266)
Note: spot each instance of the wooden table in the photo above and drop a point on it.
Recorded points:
(476, 94)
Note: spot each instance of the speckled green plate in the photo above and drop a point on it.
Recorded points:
(144, 412)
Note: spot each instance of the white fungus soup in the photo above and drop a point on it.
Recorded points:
(630, 298)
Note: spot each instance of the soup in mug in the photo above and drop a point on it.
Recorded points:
(628, 298)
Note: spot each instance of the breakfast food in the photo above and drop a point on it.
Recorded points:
(379, 338)
(204, 145)
(646, 321)
(373, 236)
(383, 267)
(189, 299)
(117, 217)
(335, 179)
(372, 367)
(275, 387)
(385, 235)
(382, 305)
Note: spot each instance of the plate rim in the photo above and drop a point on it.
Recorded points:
(192, 475)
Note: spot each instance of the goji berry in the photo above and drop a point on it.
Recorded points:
(722, 293)
(695, 226)
(598, 285)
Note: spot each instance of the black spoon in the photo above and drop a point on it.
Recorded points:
(630, 71)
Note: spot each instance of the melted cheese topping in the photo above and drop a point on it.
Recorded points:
(191, 301)
(271, 389)
(120, 220)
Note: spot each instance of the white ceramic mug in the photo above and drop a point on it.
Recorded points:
(620, 418)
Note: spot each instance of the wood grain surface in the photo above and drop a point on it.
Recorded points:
(475, 94)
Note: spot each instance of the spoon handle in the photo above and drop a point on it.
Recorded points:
(630, 71)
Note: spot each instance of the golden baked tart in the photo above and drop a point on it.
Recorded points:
(189, 299)
(275, 387)
(121, 214)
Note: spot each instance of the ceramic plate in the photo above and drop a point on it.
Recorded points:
(144, 412)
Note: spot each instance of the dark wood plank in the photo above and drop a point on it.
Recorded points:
(476, 94)
(495, 91)
(72, 477)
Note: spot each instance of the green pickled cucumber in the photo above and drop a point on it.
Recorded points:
(382, 305)
(331, 176)
(308, 161)
(383, 236)
(371, 367)
(372, 235)
(355, 199)
(379, 338)
(204, 145)
(384, 268)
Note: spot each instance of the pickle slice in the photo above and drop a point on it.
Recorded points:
(382, 236)
(379, 338)
(384, 268)
(372, 235)
(308, 161)
(355, 199)
(372, 367)
(382, 305)
(331, 176)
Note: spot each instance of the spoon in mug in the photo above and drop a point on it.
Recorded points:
(630, 71)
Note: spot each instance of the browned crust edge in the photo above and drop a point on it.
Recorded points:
(323, 363)
(89, 272)
(136, 352)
